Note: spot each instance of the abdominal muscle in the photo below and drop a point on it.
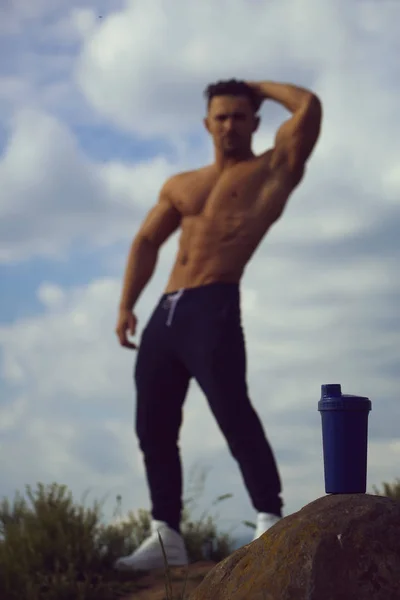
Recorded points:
(211, 251)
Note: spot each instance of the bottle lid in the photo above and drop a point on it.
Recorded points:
(331, 390)
(333, 399)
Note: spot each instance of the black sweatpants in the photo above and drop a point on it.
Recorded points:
(197, 333)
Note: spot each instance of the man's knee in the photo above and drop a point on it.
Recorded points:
(155, 435)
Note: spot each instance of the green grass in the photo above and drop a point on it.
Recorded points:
(55, 549)
(390, 490)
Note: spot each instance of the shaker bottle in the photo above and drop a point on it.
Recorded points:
(344, 439)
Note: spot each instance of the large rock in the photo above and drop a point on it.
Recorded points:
(344, 547)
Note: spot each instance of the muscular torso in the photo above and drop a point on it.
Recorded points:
(223, 219)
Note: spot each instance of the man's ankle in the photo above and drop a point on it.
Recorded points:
(171, 524)
(273, 513)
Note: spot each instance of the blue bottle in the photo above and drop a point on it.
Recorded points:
(344, 439)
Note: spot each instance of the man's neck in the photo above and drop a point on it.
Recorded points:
(223, 162)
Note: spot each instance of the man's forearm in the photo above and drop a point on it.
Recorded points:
(140, 266)
(290, 96)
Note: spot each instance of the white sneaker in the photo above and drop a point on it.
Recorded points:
(264, 522)
(150, 556)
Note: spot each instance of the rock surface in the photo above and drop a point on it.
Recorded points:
(342, 547)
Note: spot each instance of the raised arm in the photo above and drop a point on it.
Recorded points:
(296, 138)
(158, 226)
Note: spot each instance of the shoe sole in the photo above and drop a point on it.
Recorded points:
(140, 565)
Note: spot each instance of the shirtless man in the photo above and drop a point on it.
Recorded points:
(223, 210)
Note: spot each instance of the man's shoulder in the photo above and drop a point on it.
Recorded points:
(175, 182)
(186, 175)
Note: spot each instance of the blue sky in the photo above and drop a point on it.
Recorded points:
(95, 113)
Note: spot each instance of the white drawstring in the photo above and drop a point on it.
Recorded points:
(173, 300)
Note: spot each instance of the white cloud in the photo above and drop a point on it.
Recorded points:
(320, 298)
(164, 84)
(84, 20)
(64, 196)
(51, 295)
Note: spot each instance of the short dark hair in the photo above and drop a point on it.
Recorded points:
(232, 87)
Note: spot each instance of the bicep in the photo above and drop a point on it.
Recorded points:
(296, 138)
(161, 221)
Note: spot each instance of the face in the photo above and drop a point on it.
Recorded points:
(231, 122)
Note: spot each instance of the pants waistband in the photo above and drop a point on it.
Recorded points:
(198, 290)
(169, 301)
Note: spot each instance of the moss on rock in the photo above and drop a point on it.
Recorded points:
(341, 547)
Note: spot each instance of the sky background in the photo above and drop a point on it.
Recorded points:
(98, 107)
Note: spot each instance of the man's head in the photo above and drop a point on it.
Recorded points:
(232, 119)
